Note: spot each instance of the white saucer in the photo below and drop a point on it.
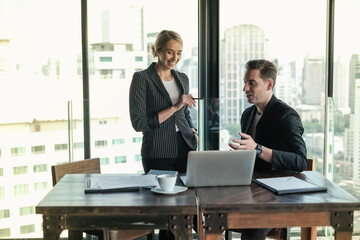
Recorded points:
(177, 189)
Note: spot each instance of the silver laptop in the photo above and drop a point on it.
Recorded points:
(219, 168)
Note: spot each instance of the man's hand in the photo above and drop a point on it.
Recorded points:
(246, 143)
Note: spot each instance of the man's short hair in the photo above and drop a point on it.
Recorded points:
(267, 69)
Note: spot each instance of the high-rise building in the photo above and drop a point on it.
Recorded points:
(4, 56)
(354, 73)
(285, 87)
(313, 80)
(341, 86)
(356, 130)
(241, 44)
(190, 67)
(115, 25)
(151, 38)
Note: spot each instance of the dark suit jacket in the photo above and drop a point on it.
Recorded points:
(280, 129)
(148, 97)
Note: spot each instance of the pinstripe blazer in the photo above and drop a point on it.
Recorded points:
(147, 98)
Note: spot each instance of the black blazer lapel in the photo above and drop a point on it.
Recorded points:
(157, 82)
(249, 120)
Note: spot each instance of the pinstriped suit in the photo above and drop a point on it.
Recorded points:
(148, 97)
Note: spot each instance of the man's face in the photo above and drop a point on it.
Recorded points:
(256, 90)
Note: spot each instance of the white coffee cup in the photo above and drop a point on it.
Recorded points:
(167, 182)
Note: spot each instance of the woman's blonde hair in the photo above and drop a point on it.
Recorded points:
(162, 38)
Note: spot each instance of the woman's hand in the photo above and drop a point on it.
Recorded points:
(185, 99)
(196, 134)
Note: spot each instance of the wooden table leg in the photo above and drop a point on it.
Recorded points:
(52, 227)
(308, 233)
(214, 236)
(343, 235)
(214, 225)
(75, 235)
(181, 226)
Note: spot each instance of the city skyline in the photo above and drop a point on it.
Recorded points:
(40, 71)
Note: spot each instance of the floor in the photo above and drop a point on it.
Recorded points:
(295, 235)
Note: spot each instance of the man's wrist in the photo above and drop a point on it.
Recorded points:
(258, 150)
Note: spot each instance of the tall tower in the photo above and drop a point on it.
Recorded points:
(354, 73)
(241, 43)
(286, 87)
(356, 130)
(4, 56)
(313, 80)
(341, 86)
(124, 25)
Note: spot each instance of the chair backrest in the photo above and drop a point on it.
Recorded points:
(310, 165)
(83, 166)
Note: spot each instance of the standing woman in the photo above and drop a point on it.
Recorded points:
(159, 101)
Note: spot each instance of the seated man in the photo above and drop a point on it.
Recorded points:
(271, 127)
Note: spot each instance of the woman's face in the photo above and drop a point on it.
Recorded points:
(170, 55)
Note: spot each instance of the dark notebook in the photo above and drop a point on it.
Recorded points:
(286, 185)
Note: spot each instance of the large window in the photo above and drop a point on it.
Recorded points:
(344, 133)
(296, 44)
(42, 87)
(120, 36)
(40, 72)
(293, 36)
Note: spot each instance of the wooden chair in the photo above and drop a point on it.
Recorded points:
(84, 166)
(90, 166)
(284, 233)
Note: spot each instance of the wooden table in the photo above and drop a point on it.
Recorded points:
(255, 207)
(67, 207)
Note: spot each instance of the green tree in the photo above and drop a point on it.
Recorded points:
(313, 126)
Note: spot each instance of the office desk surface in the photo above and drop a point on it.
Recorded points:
(255, 207)
(255, 197)
(66, 206)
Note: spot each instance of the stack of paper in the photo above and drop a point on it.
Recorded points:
(101, 183)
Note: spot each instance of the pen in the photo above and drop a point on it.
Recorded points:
(112, 190)
(195, 98)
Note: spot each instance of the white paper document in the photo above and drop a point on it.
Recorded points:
(119, 183)
(284, 185)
